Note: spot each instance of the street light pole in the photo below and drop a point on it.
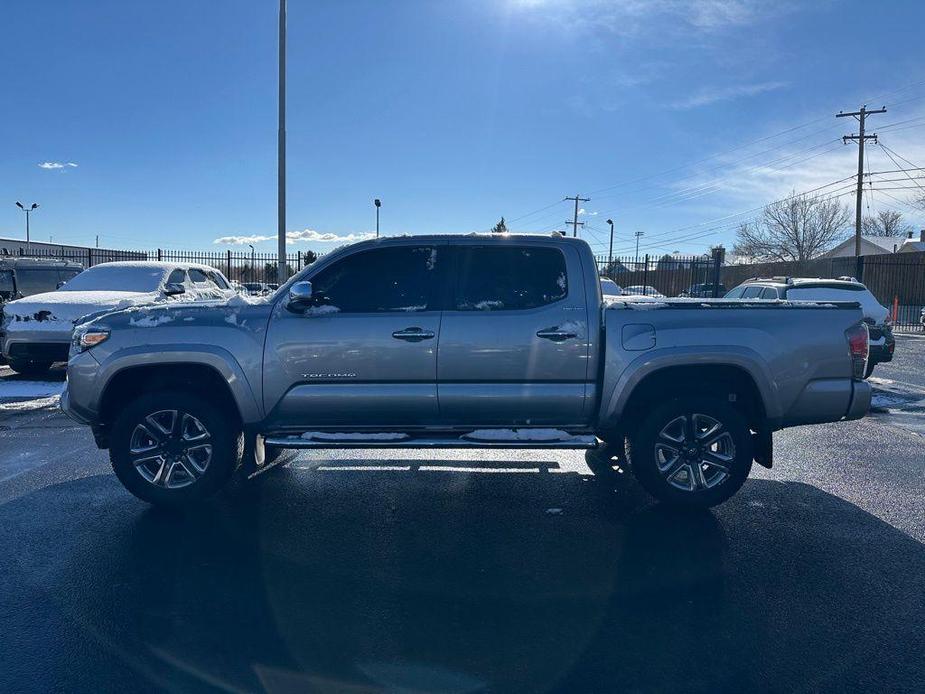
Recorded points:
(378, 203)
(638, 234)
(27, 210)
(253, 268)
(610, 252)
(282, 271)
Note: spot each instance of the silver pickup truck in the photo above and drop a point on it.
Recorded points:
(454, 342)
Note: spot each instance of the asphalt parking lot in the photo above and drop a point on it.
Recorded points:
(369, 571)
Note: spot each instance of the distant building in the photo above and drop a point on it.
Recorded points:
(83, 254)
(879, 245)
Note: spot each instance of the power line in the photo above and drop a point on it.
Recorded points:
(887, 151)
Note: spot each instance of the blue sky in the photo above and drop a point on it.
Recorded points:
(453, 113)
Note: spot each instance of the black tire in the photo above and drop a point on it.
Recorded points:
(869, 369)
(674, 479)
(177, 487)
(27, 367)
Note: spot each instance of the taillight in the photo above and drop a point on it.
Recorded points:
(858, 347)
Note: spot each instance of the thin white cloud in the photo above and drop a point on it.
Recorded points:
(712, 95)
(585, 212)
(304, 235)
(634, 17)
(55, 165)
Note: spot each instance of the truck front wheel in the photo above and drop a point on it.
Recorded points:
(172, 448)
(694, 451)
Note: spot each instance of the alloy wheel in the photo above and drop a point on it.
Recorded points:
(694, 451)
(170, 448)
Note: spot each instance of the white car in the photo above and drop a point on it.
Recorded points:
(642, 290)
(36, 330)
(610, 288)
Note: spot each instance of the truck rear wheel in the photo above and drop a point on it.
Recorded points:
(692, 451)
(172, 448)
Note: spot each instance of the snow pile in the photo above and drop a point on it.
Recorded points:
(357, 436)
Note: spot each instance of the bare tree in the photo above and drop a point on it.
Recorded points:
(797, 228)
(886, 223)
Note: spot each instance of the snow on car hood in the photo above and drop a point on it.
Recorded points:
(52, 309)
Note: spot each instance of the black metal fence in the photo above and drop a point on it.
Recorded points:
(235, 265)
(668, 275)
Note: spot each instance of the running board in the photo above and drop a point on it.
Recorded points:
(572, 442)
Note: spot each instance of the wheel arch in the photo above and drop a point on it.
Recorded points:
(731, 383)
(200, 378)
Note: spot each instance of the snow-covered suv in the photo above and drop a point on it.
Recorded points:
(37, 329)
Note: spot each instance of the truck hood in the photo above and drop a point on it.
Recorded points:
(234, 312)
(55, 310)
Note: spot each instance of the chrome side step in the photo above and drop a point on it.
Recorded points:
(582, 442)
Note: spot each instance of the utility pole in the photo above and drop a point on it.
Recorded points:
(861, 117)
(378, 203)
(97, 240)
(638, 234)
(282, 270)
(575, 223)
(610, 252)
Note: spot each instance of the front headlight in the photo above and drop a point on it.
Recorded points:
(85, 339)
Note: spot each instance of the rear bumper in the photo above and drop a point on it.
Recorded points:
(829, 400)
(860, 400)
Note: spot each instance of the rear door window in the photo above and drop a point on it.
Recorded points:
(751, 292)
(495, 278)
(769, 293)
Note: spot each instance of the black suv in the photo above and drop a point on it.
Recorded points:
(25, 276)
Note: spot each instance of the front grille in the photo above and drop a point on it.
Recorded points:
(40, 351)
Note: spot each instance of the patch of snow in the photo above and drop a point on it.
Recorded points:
(485, 305)
(28, 405)
(518, 435)
(560, 280)
(411, 309)
(320, 310)
(150, 321)
(10, 388)
(353, 436)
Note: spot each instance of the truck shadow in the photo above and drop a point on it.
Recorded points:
(399, 580)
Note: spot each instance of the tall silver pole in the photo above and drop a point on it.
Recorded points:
(281, 147)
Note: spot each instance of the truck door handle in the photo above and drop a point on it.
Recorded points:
(556, 335)
(413, 334)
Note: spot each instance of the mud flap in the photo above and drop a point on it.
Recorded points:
(763, 445)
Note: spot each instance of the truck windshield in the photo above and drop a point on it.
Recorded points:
(121, 278)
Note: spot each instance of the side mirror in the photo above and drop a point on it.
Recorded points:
(300, 295)
(174, 288)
